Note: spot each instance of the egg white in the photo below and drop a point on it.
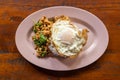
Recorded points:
(65, 40)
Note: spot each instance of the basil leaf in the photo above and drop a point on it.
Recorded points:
(38, 24)
(43, 53)
(42, 39)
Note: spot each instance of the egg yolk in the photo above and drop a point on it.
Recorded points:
(67, 36)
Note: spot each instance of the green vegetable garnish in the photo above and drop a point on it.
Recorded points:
(38, 24)
(35, 29)
(43, 53)
(37, 42)
(41, 41)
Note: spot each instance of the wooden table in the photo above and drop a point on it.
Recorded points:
(14, 67)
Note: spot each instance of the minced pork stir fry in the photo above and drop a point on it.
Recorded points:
(42, 36)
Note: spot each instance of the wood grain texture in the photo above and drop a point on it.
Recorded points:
(14, 67)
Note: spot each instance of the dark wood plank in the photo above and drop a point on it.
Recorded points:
(14, 67)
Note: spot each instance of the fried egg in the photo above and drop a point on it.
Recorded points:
(66, 39)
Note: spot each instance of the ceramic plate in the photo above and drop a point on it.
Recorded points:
(96, 45)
